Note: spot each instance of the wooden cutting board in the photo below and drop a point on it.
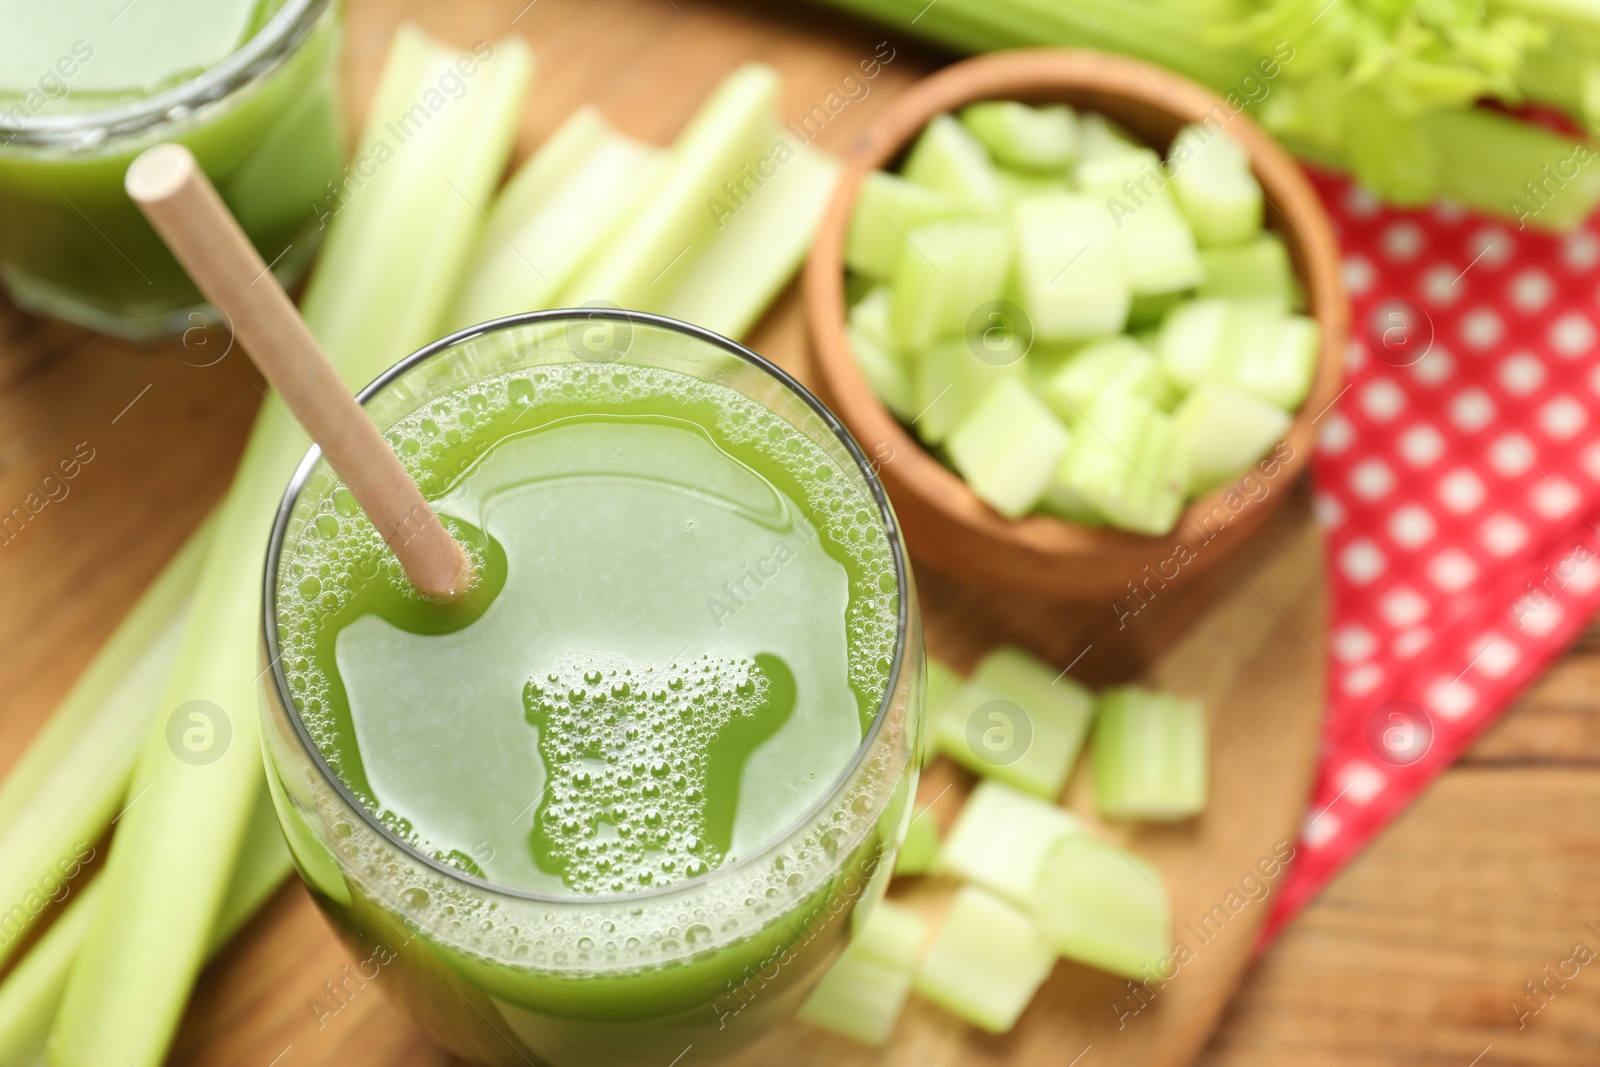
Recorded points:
(166, 426)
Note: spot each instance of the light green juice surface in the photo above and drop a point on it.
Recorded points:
(116, 48)
(682, 628)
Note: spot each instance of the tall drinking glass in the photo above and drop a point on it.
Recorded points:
(622, 803)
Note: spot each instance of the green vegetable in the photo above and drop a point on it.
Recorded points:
(919, 852)
(1030, 138)
(1127, 462)
(377, 292)
(1150, 757)
(949, 160)
(1212, 183)
(1224, 431)
(73, 779)
(1001, 838)
(887, 209)
(757, 250)
(1071, 277)
(885, 373)
(714, 173)
(1154, 240)
(862, 995)
(1007, 448)
(950, 381)
(947, 272)
(986, 962)
(30, 995)
(566, 201)
(1259, 270)
(1116, 364)
(1246, 344)
(1388, 91)
(1017, 721)
(1101, 906)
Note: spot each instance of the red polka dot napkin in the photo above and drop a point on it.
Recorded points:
(1458, 484)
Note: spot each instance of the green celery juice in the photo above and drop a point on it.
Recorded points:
(86, 85)
(682, 630)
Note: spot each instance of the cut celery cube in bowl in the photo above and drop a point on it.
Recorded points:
(1156, 245)
(950, 382)
(1024, 136)
(1213, 185)
(1008, 447)
(1248, 344)
(1001, 838)
(1127, 462)
(1150, 755)
(1070, 276)
(1017, 722)
(947, 271)
(1224, 431)
(887, 208)
(1115, 364)
(948, 159)
(919, 852)
(1104, 907)
(1257, 270)
(885, 375)
(986, 962)
(863, 994)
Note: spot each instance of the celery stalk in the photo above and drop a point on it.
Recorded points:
(758, 249)
(566, 201)
(400, 239)
(399, 244)
(710, 177)
(30, 994)
(74, 778)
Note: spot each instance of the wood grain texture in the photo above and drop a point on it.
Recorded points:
(1413, 939)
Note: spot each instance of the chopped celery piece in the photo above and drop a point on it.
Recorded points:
(986, 962)
(1016, 720)
(949, 160)
(1150, 309)
(73, 779)
(1017, 184)
(1070, 274)
(30, 995)
(756, 251)
(1018, 135)
(1257, 270)
(1116, 364)
(919, 852)
(1157, 247)
(1065, 502)
(565, 202)
(881, 362)
(1212, 183)
(1100, 137)
(943, 681)
(1149, 755)
(398, 278)
(884, 373)
(377, 293)
(950, 382)
(1224, 431)
(949, 270)
(887, 209)
(1001, 838)
(870, 315)
(714, 173)
(1127, 462)
(1008, 447)
(1105, 908)
(862, 995)
(1247, 344)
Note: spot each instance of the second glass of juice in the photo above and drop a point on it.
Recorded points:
(622, 802)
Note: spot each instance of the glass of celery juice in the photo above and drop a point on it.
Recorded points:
(86, 85)
(623, 799)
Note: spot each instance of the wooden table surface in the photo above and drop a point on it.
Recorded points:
(1417, 954)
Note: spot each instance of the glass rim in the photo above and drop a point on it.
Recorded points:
(869, 739)
(255, 57)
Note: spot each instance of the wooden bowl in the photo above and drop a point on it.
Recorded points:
(945, 524)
